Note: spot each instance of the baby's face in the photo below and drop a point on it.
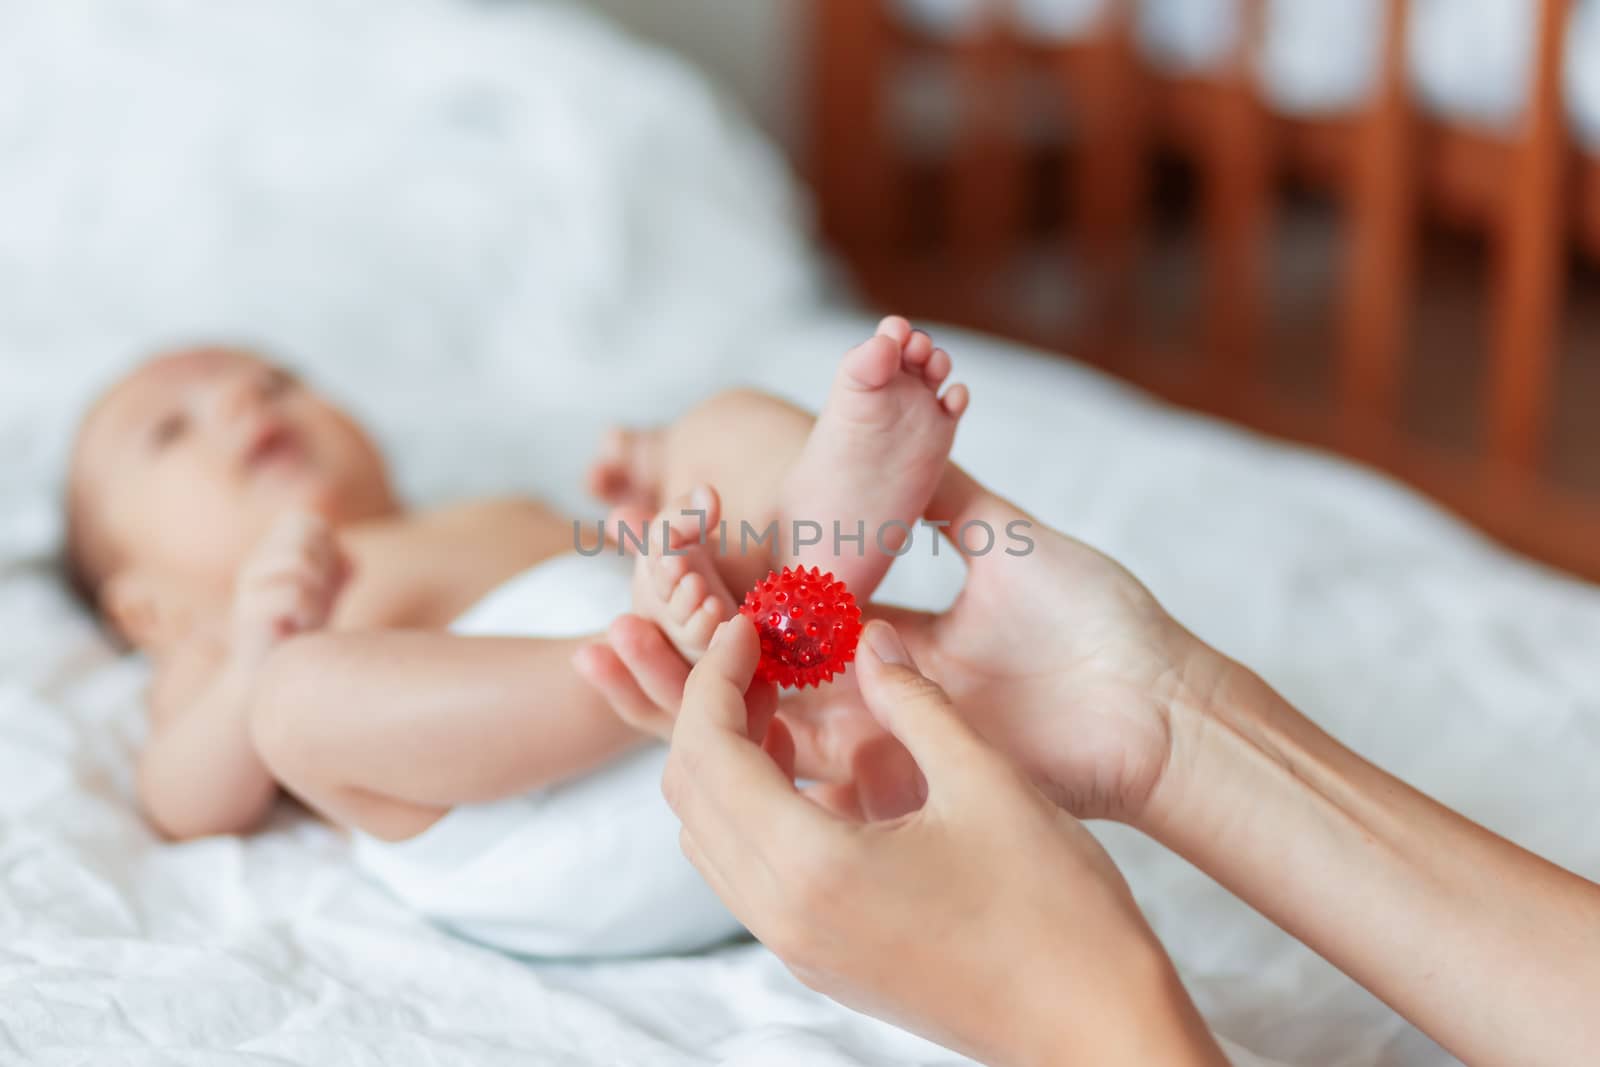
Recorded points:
(183, 465)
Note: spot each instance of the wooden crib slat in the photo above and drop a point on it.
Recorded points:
(1532, 276)
(1108, 194)
(1237, 213)
(987, 176)
(1380, 262)
(851, 151)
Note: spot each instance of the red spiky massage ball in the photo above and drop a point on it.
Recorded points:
(809, 624)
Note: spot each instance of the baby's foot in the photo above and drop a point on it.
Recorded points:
(875, 454)
(626, 472)
(682, 592)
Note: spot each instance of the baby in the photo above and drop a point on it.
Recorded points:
(309, 633)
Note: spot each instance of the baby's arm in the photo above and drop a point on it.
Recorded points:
(385, 731)
(199, 772)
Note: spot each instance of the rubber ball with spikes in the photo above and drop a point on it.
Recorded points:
(809, 624)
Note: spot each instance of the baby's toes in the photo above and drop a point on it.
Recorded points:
(937, 368)
(666, 574)
(918, 349)
(896, 328)
(711, 613)
(955, 400)
(690, 593)
(872, 364)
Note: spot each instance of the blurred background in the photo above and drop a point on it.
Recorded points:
(1369, 225)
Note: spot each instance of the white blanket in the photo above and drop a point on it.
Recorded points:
(353, 183)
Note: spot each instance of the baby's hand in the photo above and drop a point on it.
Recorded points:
(287, 586)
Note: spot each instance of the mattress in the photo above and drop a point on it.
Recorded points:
(1470, 59)
(543, 227)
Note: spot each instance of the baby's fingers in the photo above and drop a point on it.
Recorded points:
(299, 528)
(282, 614)
(300, 595)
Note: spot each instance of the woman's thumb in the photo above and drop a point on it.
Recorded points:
(913, 708)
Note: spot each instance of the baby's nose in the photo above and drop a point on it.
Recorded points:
(237, 398)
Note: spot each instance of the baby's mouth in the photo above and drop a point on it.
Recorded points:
(272, 447)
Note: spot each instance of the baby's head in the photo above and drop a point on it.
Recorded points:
(180, 468)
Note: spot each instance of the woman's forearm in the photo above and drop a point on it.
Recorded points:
(1492, 951)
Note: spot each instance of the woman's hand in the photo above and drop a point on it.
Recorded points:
(861, 769)
(988, 919)
(1062, 660)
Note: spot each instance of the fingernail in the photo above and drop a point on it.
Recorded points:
(701, 498)
(886, 644)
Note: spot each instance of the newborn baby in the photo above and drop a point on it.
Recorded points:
(310, 633)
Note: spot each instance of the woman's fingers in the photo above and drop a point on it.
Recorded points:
(779, 744)
(838, 798)
(761, 710)
(733, 798)
(599, 665)
(656, 666)
(888, 782)
(916, 711)
(713, 695)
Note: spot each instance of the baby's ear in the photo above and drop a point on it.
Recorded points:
(134, 605)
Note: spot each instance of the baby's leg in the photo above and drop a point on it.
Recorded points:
(872, 461)
(385, 731)
(869, 465)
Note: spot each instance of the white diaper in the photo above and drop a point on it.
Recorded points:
(587, 868)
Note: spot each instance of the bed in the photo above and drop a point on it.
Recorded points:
(494, 228)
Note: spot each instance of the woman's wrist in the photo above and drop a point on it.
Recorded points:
(1225, 735)
(1134, 1011)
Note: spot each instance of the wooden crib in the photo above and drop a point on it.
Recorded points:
(1533, 195)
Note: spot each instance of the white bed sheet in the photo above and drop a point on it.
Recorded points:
(667, 257)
